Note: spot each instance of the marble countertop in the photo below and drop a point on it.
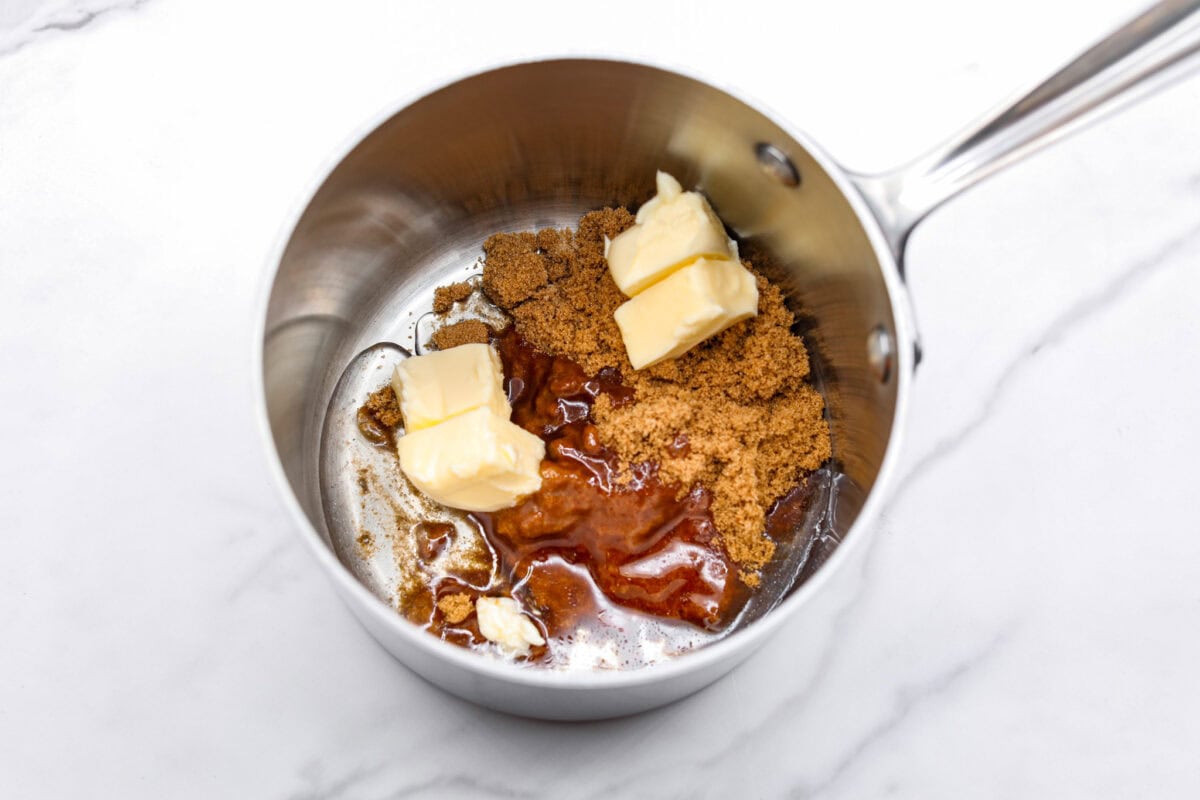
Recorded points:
(1028, 626)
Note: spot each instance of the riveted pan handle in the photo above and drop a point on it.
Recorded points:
(1154, 49)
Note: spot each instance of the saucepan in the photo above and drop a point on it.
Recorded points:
(537, 144)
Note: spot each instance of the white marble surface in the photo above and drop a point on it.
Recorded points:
(1029, 626)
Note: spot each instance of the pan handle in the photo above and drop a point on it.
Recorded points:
(1145, 55)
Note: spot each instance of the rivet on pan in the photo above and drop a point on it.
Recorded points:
(776, 164)
(879, 353)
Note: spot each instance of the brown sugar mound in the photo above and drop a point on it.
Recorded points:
(444, 297)
(384, 407)
(526, 272)
(754, 426)
(734, 414)
(556, 286)
(456, 607)
(469, 331)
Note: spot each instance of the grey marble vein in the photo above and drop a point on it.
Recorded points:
(446, 785)
(66, 19)
(252, 575)
(338, 787)
(1059, 328)
(908, 699)
(380, 779)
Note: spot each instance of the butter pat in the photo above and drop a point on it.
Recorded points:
(477, 461)
(679, 312)
(673, 229)
(435, 387)
(501, 621)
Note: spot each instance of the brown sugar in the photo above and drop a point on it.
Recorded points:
(384, 408)
(456, 607)
(735, 414)
(556, 286)
(378, 419)
(444, 297)
(754, 427)
(468, 331)
(528, 272)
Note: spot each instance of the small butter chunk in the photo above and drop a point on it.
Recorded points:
(673, 229)
(435, 387)
(477, 461)
(676, 314)
(501, 621)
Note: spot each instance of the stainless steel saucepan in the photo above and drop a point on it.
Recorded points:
(537, 144)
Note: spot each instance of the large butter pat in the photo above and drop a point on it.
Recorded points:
(677, 313)
(673, 229)
(501, 621)
(477, 461)
(435, 387)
